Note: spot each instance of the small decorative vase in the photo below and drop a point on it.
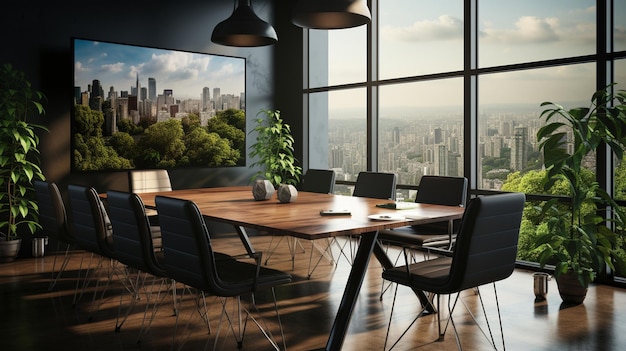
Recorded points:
(570, 289)
(262, 189)
(287, 193)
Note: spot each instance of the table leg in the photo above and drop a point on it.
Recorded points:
(243, 236)
(351, 292)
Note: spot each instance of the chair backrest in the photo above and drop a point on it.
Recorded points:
(442, 190)
(52, 212)
(131, 233)
(375, 185)
(319, 181)
(189, 256)
(149, 180)
(486, 246)
(90, 222)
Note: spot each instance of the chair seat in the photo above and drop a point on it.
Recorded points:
(432, 273)
(230, 271)
(415, 237)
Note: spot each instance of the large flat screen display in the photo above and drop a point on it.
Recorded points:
(138, 107)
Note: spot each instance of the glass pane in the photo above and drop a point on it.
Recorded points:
(620, 165)
(513, 31)
(619, 25)
(337, 56)
(420, 37)
(337, 133)
(421, 130)
(509, 109)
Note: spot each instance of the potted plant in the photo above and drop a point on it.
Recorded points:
(579, 241)
(274, 150)
(19, 162)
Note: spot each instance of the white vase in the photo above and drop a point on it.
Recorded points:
(262, 189)
(287, 193)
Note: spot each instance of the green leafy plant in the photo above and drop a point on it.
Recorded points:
(274, 149)
(579, 238)
(19, 161)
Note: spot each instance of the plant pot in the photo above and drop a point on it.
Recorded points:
(9, 250)
(570, 289)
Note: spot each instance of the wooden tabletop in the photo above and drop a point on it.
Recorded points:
(236, 205)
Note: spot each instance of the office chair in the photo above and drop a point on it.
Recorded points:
(93, 232)
(317, 181)
(134, 247)
(485, 252)
(377, 185)
(53, 220)
(437, 190)
(191, 260)
(149, 181)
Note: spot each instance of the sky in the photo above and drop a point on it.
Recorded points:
(426, 36)
(186, 73)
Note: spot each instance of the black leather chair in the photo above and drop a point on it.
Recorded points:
(53, 220)
(134, 247)
(378, 185)
(485, 252)
(191, 260)
(93, 232)
(438, 190)
(316, 181)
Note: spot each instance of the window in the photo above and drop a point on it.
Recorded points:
(454, 87)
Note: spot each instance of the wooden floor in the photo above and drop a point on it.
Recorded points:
(32, 318)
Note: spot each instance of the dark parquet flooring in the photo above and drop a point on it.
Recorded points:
(33, 318)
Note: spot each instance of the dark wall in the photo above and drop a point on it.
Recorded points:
(37, 41)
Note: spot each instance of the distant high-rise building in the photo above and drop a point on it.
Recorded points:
(438, 136)
(336, 157)
(217, 99)
(96, 89)
(138, 88)
(152, 95)
(440, 159)
(519, 147)
(168, 94)
(77, 95)
(206, 99)
(396, 135)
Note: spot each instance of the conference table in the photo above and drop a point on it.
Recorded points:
(302, 219)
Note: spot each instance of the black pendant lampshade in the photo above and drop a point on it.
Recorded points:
(331, 14)
(244, 28)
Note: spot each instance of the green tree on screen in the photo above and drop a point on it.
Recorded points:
(161, 145)
(90, 151)
(209, 149)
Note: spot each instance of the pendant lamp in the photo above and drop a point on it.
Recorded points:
(244, 28)
(331, 14)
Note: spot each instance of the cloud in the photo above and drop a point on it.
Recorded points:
(528, 29)
(445, 27)
(79, 67)
(113, 67)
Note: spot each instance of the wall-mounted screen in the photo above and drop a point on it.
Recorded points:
(138, 107)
